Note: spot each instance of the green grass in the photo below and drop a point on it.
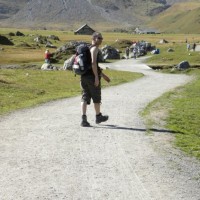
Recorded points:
(169, 59)
(22, 88)
(180, 110)
(184, 117)
(35, 54)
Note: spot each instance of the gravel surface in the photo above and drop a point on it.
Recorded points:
(46, 155)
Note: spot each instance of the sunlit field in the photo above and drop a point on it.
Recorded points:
(34, 54)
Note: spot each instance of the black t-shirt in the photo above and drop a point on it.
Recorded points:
(89, 72)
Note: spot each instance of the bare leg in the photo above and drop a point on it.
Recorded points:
(84, 107)
(97, 108)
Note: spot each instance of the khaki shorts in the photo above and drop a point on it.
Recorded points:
(89, 90)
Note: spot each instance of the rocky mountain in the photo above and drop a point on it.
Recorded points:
(73, 13)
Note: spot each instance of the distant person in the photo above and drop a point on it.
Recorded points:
(188, 46)
(127, 52)
(186, 41)
(47, 57)
(134, 52)
(194, 46)
(91, 83)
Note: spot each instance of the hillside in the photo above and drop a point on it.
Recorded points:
(179, 18)
(9, 8)
(65, 14)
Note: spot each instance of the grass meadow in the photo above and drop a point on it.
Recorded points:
(35, 54)
(22, 88)
(179, 111)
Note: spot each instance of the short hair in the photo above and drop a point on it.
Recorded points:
(96, 34)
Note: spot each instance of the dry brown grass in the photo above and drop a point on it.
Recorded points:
(13, 56)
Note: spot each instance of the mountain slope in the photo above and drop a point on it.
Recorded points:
(9, 8)
(68, 12)
(180, 18)
(73, 13)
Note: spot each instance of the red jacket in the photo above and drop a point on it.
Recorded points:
(47, 55)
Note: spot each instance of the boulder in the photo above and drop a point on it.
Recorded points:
(18, 33)
(68, 63)
(109, 52)
(63, 52)
(170, 50)
(163, 41)
(41, 39)
(5, 41)
(53, 37)
(50, 45)
(183, 65)
(47, 66)
(11, 34)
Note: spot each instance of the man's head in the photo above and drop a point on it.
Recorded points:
(97, 38)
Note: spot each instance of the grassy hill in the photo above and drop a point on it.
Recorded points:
(180, 18)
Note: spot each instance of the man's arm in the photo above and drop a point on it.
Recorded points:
(94, 52)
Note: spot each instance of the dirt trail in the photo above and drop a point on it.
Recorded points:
(45, 154)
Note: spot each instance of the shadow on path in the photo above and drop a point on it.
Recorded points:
(109, 126)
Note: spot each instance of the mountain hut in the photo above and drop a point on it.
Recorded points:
(84, 30)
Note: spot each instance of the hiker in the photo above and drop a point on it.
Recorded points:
(91, 83)
(127, 52)
(188, 46)
(134, 52)
(186, 41)
(47, 56)
(194, 46)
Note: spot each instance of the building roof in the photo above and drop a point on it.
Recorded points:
(84, 26)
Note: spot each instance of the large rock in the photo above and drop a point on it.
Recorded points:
(50, 45)
(163, 41)
(41, 39)
(53, 37)
(109, 52)
(63, 52)
(68, 63)
(47, 66)
(5, 41)
(18, 33)
(183, 65)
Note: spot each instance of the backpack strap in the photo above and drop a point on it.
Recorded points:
(93, 45)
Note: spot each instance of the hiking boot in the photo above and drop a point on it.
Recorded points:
(101, 118)
(84, 122)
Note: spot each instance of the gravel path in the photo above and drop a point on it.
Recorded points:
(46, 155)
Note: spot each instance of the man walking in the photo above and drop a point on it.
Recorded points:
(194, 46)
(127, 52)
(91, 83)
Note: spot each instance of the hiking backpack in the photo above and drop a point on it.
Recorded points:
(82, 61)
